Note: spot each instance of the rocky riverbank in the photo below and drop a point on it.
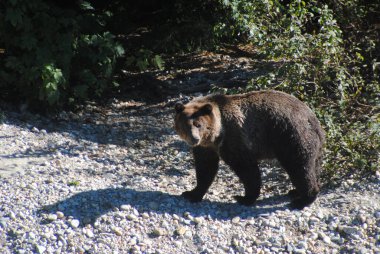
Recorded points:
(107, 180)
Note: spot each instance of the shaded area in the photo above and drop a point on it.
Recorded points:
(88, 206)
(99, 124)
(229, 67)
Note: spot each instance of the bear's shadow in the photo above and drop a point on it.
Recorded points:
(88, 206)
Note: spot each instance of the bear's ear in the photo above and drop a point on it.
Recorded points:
(206, 109)
(179, 107)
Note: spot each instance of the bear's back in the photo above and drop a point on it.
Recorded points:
(266, 120)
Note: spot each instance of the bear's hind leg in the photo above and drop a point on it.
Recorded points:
(303, 176)
(293, 194)
(303, 201)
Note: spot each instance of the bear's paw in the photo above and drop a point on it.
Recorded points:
(192, 196)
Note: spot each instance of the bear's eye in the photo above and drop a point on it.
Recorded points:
(197, 124)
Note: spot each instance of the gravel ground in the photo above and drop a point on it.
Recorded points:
(108, 179)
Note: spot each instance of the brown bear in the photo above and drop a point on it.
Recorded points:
(244, 129)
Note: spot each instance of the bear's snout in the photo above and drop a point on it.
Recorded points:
(194, 141)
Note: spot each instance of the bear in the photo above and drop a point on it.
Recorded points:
(244, 129)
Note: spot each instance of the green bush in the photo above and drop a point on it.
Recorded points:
(318, 65)
(53, 56)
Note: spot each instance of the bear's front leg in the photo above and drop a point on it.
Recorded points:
(206, 166)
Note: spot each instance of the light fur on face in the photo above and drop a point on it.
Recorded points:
(198, 123)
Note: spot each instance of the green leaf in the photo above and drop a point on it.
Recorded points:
(142, 64)
(119, 50)
(73, 183)
(359, 56)
(51, 86)
(86, 6)
(158, 62)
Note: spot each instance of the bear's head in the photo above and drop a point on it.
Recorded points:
(198, 123)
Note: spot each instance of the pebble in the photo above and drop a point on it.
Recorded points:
(337, 239)
(88, 232)
(31, 235)
(132, 217)
(118, 231)
(349, 230)
(52, 217)
(133, 241)
(125, 207)
(314, 236)
(363, 250)
(325, 238)
(158, 232)
(198, 220)
(12, 215)
(180, 231)
(320, 215)
(299, 251)
(235, 220)
(362, 218)
(40, 249)
(313, 220)
(60, 215)
(302, 245)
(74, 223)
(188, 234)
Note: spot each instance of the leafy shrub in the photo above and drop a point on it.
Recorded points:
(317, 65)
(353, 140)
(97, 55)
(53, 56)
(143, 59)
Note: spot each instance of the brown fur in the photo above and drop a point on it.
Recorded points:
(244, 129)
